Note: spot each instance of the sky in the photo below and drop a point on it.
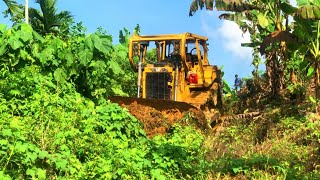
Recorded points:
(164, 17)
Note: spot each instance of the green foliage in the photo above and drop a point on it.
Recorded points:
(85, 60)
(56, 131)
(179, 154)
(230, 98)
(56, 124)
(47, 129)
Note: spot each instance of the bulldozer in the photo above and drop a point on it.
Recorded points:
(179, 72)
(173, 69)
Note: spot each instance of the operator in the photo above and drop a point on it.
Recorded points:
(237, 82)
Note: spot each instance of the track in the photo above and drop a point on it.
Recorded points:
(206, 98)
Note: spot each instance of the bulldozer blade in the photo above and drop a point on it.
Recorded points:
(157, 104)
(159, 115)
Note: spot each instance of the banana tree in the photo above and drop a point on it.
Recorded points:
(307, 30)
(261, 23)
(272, 24)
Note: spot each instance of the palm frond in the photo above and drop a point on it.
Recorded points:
(13, 7)
(64, 15)
(49, 16)
(227, 16)
(221, 5)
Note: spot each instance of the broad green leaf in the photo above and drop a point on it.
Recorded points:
(35, 50)
(46, 55)
(288, 8)
(315, 2)
(14, 124)
(98, 44)
(31, 172)
(114, 66)
(3, 28)
(37, 36)
(60, 75)
(57, 44)
(41, 173)
(15, 92)
(66, 56)
(312, 99)
(85, 56)
(157, 174)
(62, 164)
(303, 2)
(118, 91)
(20, 147)
(3, 176)
(26, 32)
(23, 54)
(3, 49)
(3, 142)
(310, 72)
(7, 132)
(43, 154)
(309, 12)
(236, 170)
(271, 28)
(69, 58)
(89, 43)
(15, 43)
(263, 21)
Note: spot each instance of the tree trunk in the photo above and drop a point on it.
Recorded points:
(269, 70)
(26, 11)
(275, 75)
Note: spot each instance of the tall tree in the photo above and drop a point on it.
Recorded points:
(26, 11)
(307, 30)
(47, 19)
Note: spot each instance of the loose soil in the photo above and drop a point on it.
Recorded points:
(158, 116)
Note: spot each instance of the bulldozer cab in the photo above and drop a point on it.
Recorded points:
(171, 66)
(188, 49)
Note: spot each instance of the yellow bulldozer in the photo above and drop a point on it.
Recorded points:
(178, 71)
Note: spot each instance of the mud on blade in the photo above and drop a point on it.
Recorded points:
(158, 116)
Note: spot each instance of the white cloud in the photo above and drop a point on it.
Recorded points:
(210, 32)
(210, 13)
(293, 3)
(232, 37)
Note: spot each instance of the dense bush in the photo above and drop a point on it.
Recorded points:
(91, 62)
(50, 128)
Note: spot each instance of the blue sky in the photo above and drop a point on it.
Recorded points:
(161, 17)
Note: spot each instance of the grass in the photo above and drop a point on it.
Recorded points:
(281, 144)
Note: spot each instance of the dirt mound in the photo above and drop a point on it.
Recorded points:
(158, 116)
